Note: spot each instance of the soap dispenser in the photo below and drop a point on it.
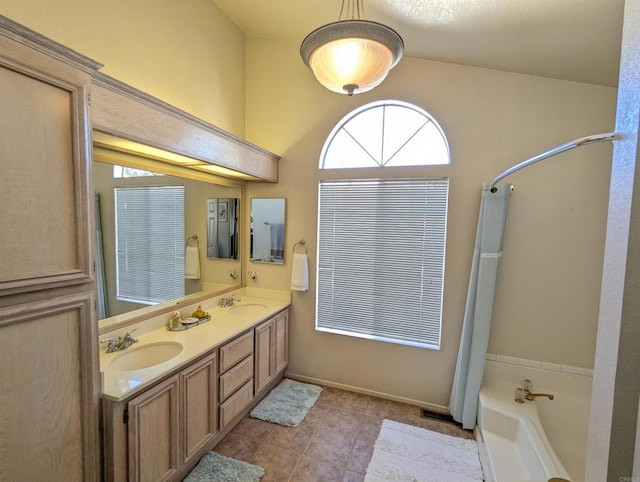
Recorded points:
(199, 313)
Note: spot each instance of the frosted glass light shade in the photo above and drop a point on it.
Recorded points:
(351, 56)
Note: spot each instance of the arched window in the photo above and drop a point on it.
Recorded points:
(381, 242)
(385, 133)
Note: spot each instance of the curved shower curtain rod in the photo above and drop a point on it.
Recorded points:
(609, 136)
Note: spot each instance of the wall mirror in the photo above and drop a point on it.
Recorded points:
(222, 228)
(214, 275)
(267, 230)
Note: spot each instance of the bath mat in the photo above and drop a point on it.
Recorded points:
(288, 403)
(214, 467)
(404, 452)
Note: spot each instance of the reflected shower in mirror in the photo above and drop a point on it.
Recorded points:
(222, 228)
(267, 230)
(214, 275)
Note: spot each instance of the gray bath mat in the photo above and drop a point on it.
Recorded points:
(288, 403)
(214, 467)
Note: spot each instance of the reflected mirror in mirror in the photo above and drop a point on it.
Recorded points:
(267, 230)
(222, 228)
(119, 298)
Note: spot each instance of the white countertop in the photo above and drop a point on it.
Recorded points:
(223, 326)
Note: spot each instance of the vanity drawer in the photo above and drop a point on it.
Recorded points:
(236, 350)
(236, 403)
(235, 377)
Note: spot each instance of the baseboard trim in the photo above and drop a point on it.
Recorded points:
(431, 407)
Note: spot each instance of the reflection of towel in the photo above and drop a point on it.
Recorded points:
(277, 240)
(192, 263)
(300, 272)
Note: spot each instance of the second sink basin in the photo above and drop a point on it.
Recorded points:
(145, 356)
(247, 309)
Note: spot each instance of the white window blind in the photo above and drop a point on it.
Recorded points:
(381, 251)
(149, 243)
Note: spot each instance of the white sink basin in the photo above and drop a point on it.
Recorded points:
(247, 309)
(145, 356)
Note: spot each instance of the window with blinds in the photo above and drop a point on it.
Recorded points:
(149, 243)
(381, 251)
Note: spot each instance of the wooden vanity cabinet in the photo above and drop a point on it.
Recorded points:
(272, 354)
(161, 433)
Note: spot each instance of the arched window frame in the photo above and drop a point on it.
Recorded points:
(435, 148)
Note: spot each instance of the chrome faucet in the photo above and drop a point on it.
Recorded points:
(228, 300)
(121, 343)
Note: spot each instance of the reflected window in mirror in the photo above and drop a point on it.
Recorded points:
(267, 230)
(149, 243)
(222, 228)
(124, 171)
(214, 274)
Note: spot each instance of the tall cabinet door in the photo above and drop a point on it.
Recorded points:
(49, 377)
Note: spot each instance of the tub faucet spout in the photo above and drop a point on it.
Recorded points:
(532, 396)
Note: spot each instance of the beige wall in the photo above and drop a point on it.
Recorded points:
(547, 296)
(186, 52)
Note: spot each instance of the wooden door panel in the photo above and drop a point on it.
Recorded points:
(47, 404)
(198, 384)
(43, 160)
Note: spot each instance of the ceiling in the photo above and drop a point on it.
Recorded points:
(576, 40)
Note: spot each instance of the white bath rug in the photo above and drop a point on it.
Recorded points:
(403, 452)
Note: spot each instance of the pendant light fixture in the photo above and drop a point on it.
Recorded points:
(352, 55)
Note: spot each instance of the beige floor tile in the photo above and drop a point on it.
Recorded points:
(254, 429)
(277, 463)
(360, 456)
(331, 446)
(238, 447)
(311, 470)
(352, 477)
(295, 439)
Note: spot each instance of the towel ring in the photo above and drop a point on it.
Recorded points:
(195, 238)
(302, 243)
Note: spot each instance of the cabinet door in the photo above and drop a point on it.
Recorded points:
(154, 452)
(264, 355)
(50, 386)
(198, 384)
(281, 339)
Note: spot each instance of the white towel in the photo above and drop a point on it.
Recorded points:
(192, 263)
(300, 272)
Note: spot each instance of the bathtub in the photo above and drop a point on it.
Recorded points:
(536, 440)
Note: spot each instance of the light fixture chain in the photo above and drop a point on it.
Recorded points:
(354, 10)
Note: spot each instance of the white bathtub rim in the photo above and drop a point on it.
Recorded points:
(498, 396)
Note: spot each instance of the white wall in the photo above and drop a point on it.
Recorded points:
(547, 297)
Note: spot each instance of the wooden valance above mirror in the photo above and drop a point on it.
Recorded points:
(173, 142)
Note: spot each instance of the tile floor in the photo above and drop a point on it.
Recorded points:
(333, 443)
